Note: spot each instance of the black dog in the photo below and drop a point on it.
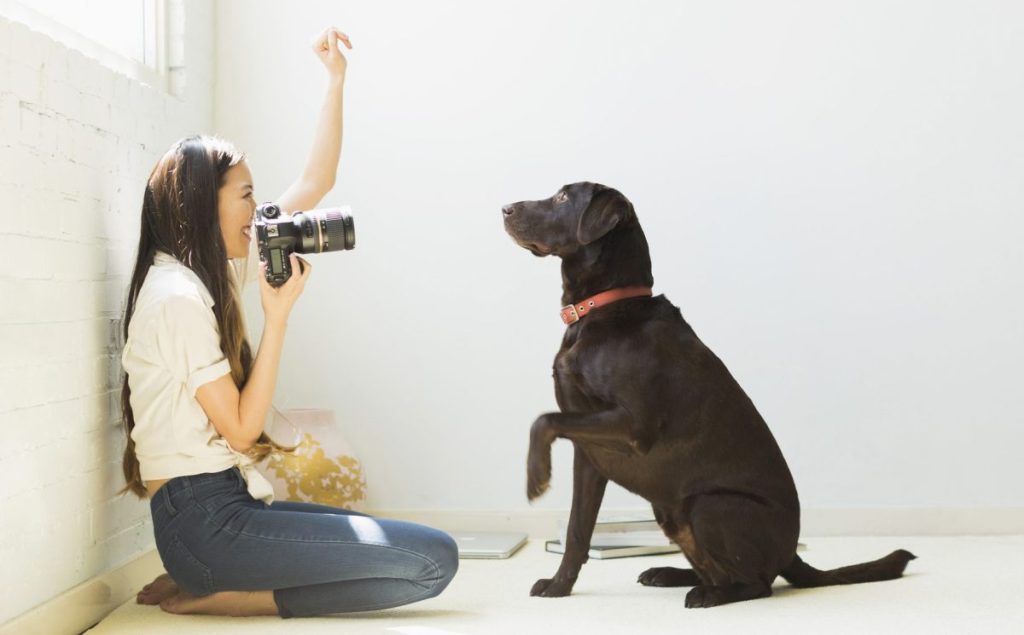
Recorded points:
(649, 406)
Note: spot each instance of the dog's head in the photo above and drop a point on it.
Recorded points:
(577, 215)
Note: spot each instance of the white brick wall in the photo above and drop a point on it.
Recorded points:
(78, 141)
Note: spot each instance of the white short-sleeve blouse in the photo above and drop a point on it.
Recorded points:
(173, 348)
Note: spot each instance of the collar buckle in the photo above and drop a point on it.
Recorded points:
(572, 313)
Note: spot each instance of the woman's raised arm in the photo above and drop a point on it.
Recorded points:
(322, 165)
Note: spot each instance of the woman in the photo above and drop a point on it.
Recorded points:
(195, 399)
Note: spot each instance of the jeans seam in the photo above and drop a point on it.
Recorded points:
(436, 568)
(204, 570)
(166, 502)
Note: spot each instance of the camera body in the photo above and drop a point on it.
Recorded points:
(314, 231)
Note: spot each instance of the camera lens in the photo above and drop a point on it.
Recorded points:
(339, 229)
(316, 231)
(326, 230)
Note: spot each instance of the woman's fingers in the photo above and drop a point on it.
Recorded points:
(295, 282)
(327, 41)
(307, 270)
(344, 38)
(300, 273)
(296, 268)
(305, 266)
(300, 284)
(320, 43)
(332, 49)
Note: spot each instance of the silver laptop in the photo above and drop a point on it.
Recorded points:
(488, 544)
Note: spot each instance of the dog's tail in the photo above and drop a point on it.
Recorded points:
(800, 574)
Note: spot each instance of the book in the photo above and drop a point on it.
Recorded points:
(605, 552)
(638, 532)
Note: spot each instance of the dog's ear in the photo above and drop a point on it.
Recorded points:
(607, 207)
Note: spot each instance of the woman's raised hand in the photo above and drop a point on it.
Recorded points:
(278, 301)
(326, 48)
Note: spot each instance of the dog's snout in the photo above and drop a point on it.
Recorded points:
(509, 209)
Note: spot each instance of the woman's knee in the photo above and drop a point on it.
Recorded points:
(444, 553)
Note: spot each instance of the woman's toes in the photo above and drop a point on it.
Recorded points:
(147, 598)
(157, 590)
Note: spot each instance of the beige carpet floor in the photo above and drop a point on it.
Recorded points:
(957, 585)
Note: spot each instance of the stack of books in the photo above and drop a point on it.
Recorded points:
(620, 538)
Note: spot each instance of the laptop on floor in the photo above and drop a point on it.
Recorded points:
(488, 544)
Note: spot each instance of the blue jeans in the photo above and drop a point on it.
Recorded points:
(213, 536)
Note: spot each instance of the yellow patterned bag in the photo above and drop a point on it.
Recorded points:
(322, 469)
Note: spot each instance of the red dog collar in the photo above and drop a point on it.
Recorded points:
(572, 313)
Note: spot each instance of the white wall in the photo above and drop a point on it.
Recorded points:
(78, 141)
(832, 193)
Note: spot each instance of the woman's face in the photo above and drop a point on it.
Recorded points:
(236, 206)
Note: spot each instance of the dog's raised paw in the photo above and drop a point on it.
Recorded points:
(538, 472)
(536, 490)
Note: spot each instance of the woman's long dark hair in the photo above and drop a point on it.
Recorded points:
(179, 217)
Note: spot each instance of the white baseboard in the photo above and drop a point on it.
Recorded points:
(83, 606)
(542, 523)
(981, 521)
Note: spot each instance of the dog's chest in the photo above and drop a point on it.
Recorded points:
(582, 384)
(570, 392)
(570, 381)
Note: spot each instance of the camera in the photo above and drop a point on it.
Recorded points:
(310, 232)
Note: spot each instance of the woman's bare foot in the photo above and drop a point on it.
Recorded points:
(234, 603)
(157, 591)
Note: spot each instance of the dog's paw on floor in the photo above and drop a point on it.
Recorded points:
(668, 576)
(705, 596)
(551, 588)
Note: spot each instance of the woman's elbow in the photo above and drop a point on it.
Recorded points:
(323, 187)
(241, 445)
(242, 441)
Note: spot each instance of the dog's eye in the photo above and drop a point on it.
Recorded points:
(561, 197)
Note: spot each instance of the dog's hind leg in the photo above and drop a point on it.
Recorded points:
(669, 576)
(705, 596)
(737, 545)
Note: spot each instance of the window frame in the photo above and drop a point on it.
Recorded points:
(155, 42)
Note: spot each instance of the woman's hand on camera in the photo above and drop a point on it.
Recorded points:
(278, 301)
(326, 48)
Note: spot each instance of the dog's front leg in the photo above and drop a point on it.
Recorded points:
(587, 491)
(613, 426)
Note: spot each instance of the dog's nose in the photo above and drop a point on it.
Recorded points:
(509, 209)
